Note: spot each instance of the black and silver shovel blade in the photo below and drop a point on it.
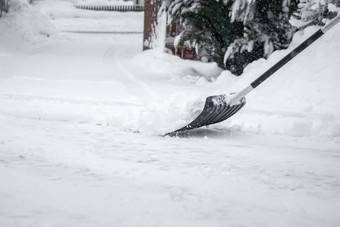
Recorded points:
(216, 109)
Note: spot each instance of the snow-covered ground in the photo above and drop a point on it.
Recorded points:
(82, 109)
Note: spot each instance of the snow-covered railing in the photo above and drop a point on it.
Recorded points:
(122, 8)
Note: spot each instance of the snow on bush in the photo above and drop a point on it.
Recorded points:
(23, 23)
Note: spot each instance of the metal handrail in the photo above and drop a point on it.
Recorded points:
(122, 8)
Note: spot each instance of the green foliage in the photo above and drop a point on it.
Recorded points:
(207, 26)
(266, 29)
(235, 32)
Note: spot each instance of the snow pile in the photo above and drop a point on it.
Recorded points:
(24, 24)
(175, 69)
(165, 115)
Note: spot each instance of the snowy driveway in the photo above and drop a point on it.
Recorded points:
(80, 120)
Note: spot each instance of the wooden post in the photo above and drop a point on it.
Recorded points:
(150, 22)
(151, 9)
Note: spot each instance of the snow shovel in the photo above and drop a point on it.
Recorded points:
(221, 107)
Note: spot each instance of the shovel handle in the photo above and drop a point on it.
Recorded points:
(285, 60)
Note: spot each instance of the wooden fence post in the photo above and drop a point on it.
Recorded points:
(151, 9)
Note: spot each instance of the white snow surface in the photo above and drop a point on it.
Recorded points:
(83, 111)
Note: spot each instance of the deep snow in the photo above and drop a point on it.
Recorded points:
(82, 108)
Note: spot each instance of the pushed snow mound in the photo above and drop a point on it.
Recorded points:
(150, 118)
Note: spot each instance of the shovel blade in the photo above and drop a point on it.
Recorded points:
(216, 109)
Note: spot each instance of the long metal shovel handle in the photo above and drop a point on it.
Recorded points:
(235, 99)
